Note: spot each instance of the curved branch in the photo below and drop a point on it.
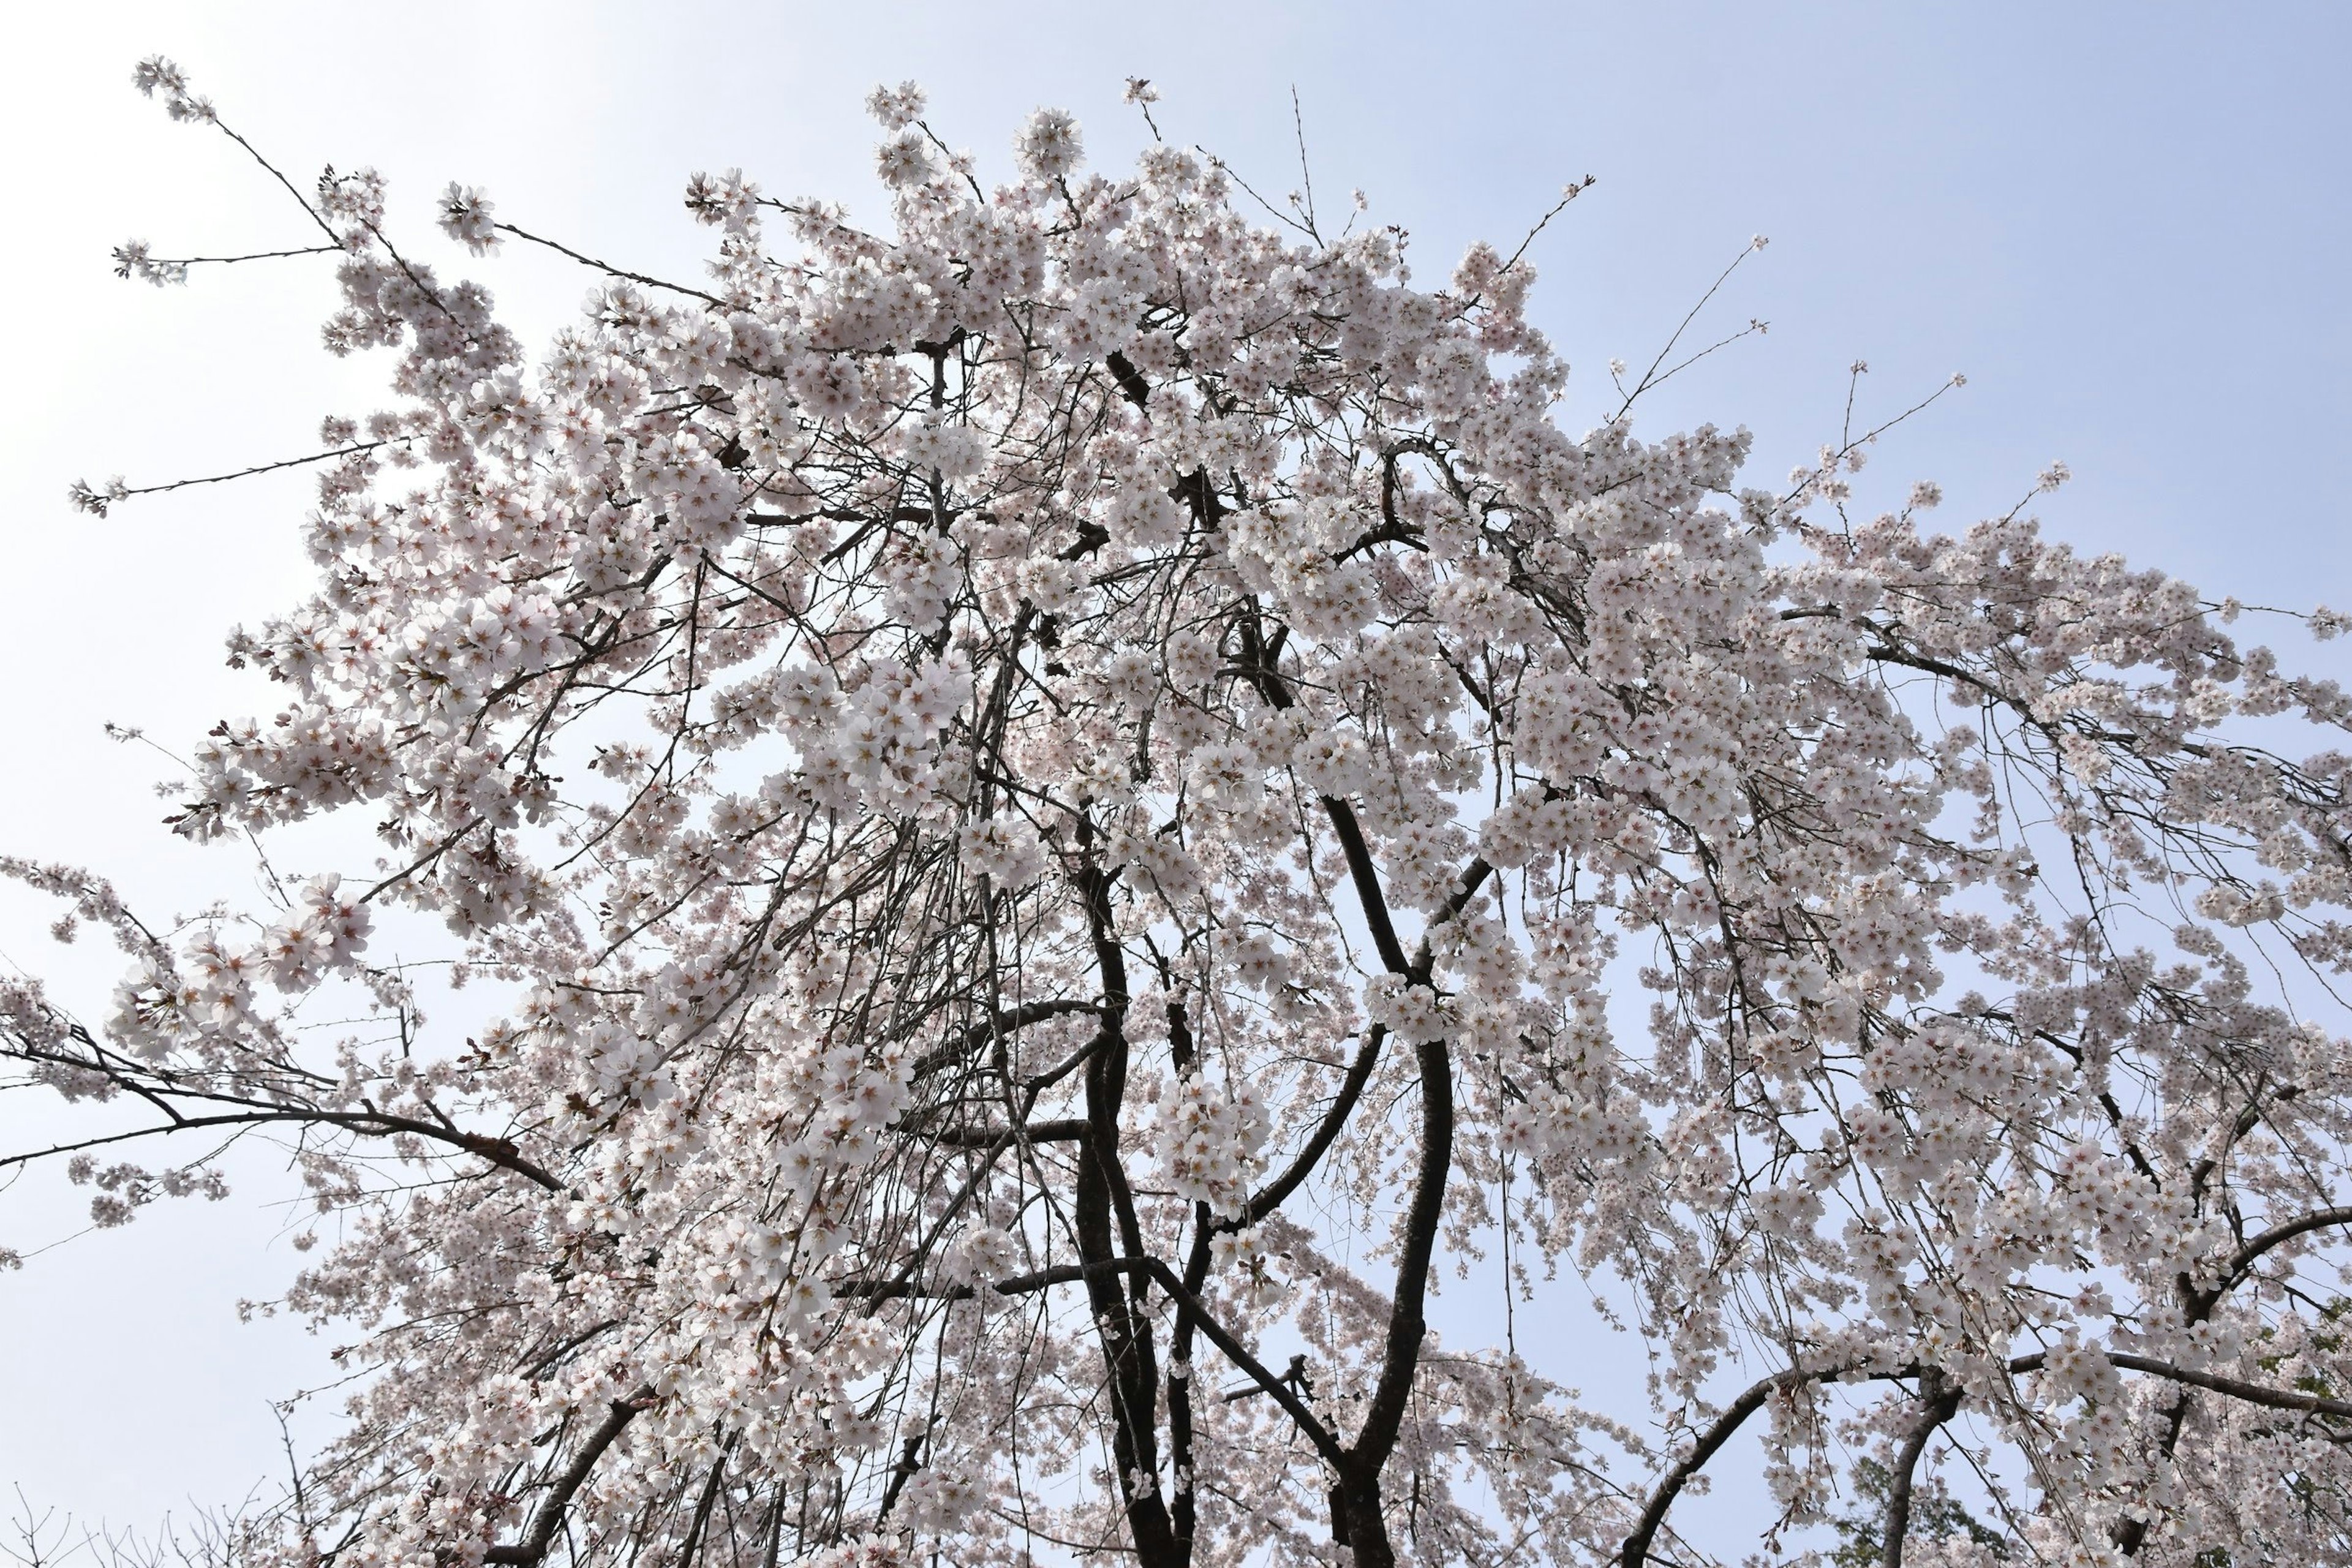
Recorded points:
(533, 1547)
(1271, 1196)
(499, 1152)
(1940, 1409)
(2278, 1236)
(1636, 1549)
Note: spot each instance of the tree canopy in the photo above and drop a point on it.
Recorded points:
(1081, 799)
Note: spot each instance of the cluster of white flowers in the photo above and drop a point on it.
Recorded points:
(1005, 849)
(1209, 1138)
(1015, 759)
(465, 217)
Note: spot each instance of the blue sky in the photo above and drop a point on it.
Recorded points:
(2125, 222)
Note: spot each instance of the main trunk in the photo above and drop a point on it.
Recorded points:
(1356, 1522)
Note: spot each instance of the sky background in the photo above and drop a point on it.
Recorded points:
(2126, 224)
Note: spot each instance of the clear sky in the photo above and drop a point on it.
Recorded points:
(2128, 223)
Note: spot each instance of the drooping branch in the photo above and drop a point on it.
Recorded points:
(499, 1152)
(2278, 1236)
(1636, 1549)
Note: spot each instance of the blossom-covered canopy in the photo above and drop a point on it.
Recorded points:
(1079, 799)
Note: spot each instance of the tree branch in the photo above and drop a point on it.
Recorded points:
(1636, 1549)
(1271, 1196)
(1941, 1407)
(939, 1057)
(533, 1546)
(2279, 1234)
(499, 1152)
(1160, 1274)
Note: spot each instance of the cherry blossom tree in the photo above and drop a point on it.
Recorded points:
(1075, 801)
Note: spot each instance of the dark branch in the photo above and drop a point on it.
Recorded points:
(533, 1546)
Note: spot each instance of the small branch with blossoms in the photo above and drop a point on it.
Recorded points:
(1652, 377)
(132, 258)
(97, 499)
